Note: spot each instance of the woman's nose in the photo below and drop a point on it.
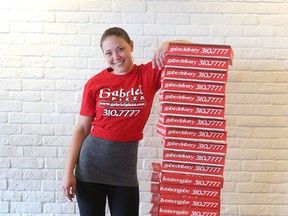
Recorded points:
(116, 55)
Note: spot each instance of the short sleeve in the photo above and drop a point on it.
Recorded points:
(88, 105)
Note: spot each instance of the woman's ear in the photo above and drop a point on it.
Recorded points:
(132, 45)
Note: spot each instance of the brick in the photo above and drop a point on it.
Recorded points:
(128, 6)
(26, 207)
(98, 6)
(40, 152)
(21, 185)
(27, 162)
(55, 163)
(261, 31)
(26, 27)
(39, 174)
(13, 196)
(56, 141)
(103, 17)
(74, 63)
(81, 40)
(4, 207)
(63, 5)
(10, 84)
(25, 140)
(268, 177)
(259, 166)
(279, 210)
(72, 17)
(40, 196)
(206, 19)
(60, 51)
(139, 18)
(255, 210)
(174, 19)
(23, 118)
(58, 96)
(51, 118)
(39, 107)
(219, 30)
(38, 62)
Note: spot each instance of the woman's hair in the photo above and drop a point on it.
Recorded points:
(115, 31)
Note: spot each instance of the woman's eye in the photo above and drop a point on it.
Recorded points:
(120, 49)
(108, 53)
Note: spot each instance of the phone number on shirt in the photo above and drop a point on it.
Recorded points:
(120, 113)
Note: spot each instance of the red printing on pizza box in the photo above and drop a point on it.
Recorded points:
(192, 99)
(201, 50)
(192, 122)
(189, 157)
(181, 132)
(192, 110)
(172, 210)
(185, 201)
(188, 145)
(186, 190)
(192, 86)
(185, 179)
(188, 74)
(197, 63)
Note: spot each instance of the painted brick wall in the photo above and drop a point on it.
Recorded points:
(49, 48)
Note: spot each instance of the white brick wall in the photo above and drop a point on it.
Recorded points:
(48, 49)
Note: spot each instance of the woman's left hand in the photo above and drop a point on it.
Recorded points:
(159, 55)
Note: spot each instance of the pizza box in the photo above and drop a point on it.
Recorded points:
(195, 158)
(197, 63)
(192, 110)
(201, 50)
(171, 210)
(187, 74)
(186, 190)
(194, 146)
(185, 201)
(192, 86)
(197, 169)
(192, 99)
(188, 133)
(187, 179)
(192, 122)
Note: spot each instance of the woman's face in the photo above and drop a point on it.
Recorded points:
(117, 53)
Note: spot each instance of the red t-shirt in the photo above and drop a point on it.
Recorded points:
(120, 104)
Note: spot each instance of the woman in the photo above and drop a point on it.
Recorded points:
(115, 107)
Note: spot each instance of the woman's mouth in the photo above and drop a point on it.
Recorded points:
(119, 63)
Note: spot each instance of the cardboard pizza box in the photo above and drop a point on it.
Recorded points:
(193, 87)
(197, 63)
(194, 146)
(192, 99)
(185, 201)
(195, 158)
(186, 190)
(193, 134)
(201, 50)
(192, 110)
(192, 122)
(197, 169)
(171, 210)
(186, 179)
(201, 75)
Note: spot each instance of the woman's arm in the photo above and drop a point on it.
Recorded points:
(82, 130)
(158, 58)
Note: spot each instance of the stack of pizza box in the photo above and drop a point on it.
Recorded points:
(189, 179)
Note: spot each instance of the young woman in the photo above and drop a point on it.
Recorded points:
(115, 107)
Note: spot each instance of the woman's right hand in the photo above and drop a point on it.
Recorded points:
(69, 186)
